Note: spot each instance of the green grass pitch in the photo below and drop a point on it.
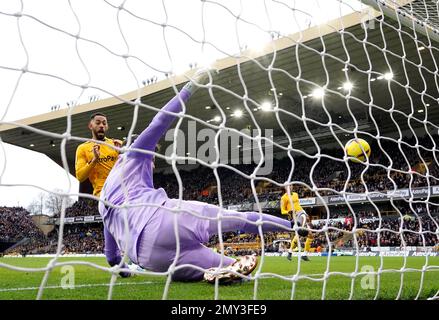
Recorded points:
(91, 283)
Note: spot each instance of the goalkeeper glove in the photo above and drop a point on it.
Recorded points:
(201, 77)
(115, 262)
(125, 274)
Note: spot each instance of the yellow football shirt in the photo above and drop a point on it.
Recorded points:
(98, 172)
(285, 203)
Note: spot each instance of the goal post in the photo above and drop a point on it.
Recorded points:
(420, 16)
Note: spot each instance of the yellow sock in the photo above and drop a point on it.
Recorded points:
(294, 243)
(308, 244)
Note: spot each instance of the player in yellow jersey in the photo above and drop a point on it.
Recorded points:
(290, 205)
(95, 161)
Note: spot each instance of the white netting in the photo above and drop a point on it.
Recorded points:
(324, 72)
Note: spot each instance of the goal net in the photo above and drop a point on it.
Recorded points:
(290, 83)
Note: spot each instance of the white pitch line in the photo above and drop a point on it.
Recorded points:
(77, 286)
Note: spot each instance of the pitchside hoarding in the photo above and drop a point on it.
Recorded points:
(363, 254)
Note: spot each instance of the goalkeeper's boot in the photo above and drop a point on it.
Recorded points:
(229, 274)
(289, 256)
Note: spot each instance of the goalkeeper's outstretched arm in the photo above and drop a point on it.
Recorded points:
(112, 252)
(149, 138)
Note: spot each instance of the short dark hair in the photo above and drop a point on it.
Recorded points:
(97, 114)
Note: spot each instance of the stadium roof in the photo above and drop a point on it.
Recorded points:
(401, 52)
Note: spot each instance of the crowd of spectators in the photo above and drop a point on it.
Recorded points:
(82, 208)
(16, 224)
(83, 238)
(85, 207)
(391, 166)
(77, 238)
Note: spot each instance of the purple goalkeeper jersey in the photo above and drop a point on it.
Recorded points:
(130, 182)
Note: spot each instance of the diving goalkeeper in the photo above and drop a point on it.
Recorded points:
(149, 238)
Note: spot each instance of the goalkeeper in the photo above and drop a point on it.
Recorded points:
(290, 206)
(149, 238)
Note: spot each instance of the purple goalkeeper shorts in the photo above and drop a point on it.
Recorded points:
(157, 245)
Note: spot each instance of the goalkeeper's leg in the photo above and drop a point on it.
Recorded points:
(243, 221)
(196, 223)
(203, 220)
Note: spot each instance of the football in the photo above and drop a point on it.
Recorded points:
(357, 148)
